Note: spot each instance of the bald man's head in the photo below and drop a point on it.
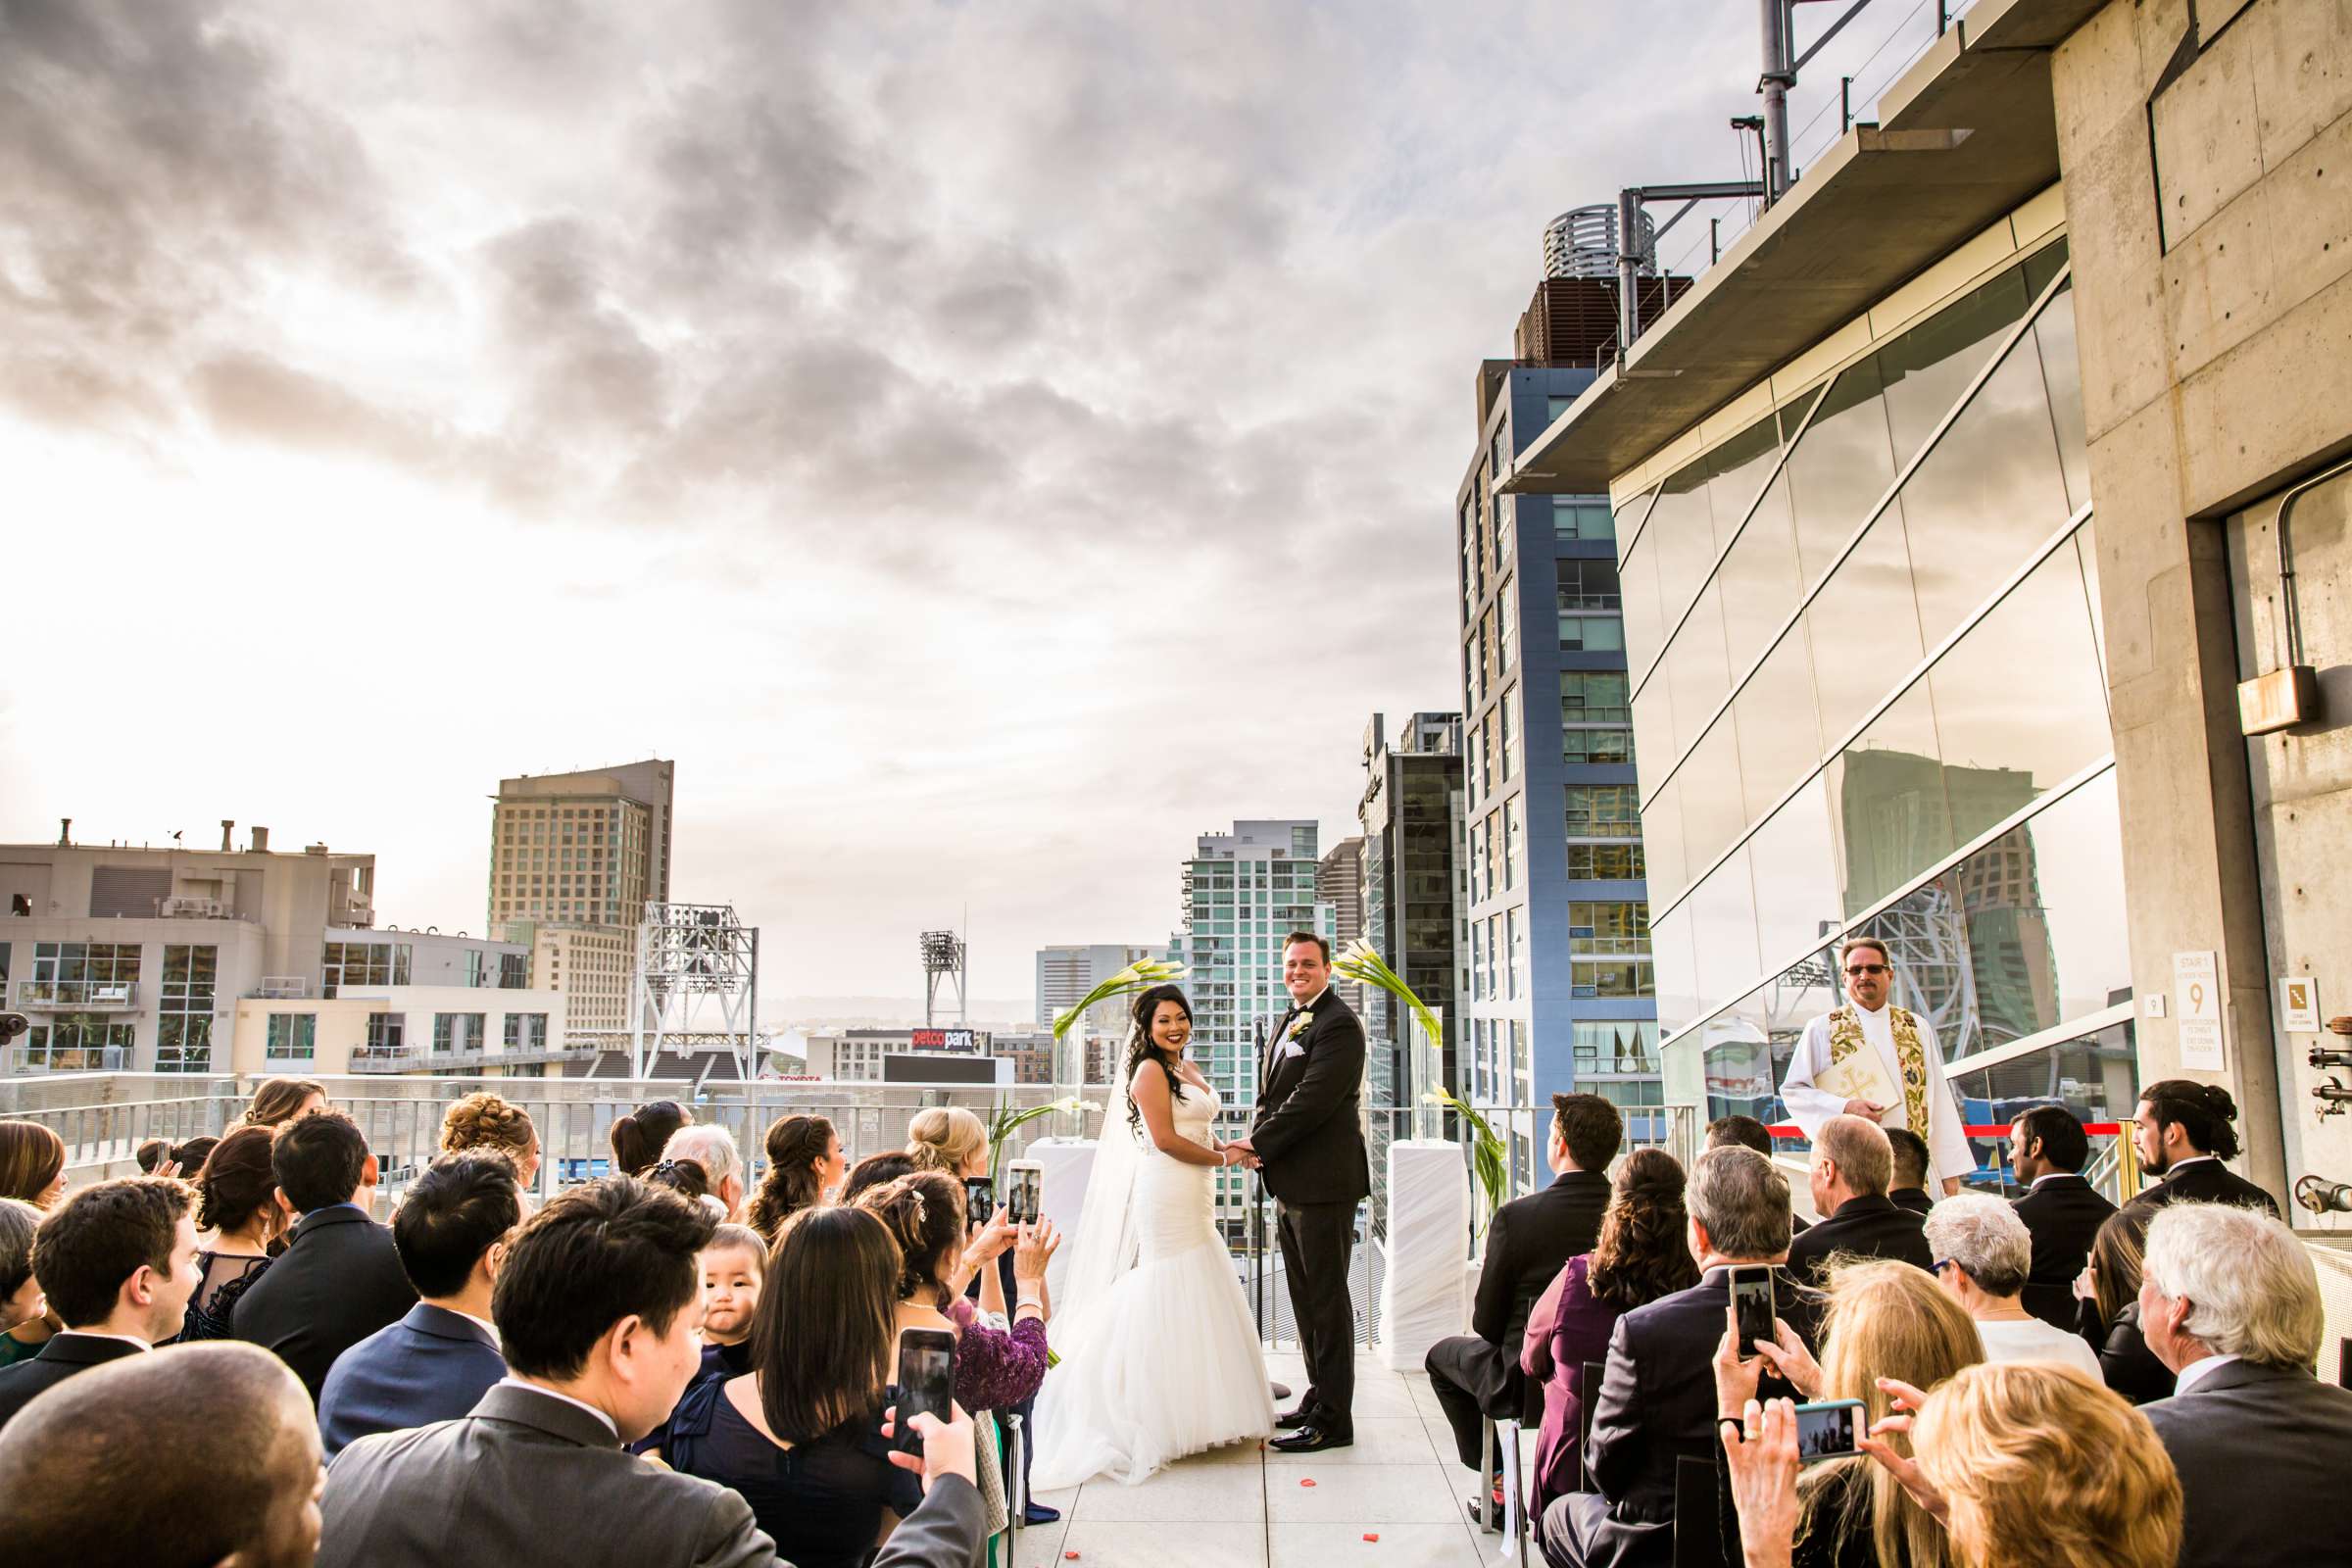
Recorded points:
(1851, 1158)
(84, 1479)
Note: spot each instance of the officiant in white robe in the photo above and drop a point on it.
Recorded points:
(1872, 1051)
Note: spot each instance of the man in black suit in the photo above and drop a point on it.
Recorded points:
(2229, 1301)
(2062, 1211)
(1657, 1397)
(1852, 1163)
(598, 1307)
(1746, 1132)
(1532, 1238)
(1307, 1137)
(205, 1454)
(1908, 1190)
(435, 1363)
(2183, 1130)
(118, 1262)
(339, 1279)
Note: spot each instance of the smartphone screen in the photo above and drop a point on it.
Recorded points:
(1751, 1296)
(979, 1200)
(1028, 1189)
(1827, 1430)
(926, 1381)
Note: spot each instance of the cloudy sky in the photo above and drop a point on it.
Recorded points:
(984, 445)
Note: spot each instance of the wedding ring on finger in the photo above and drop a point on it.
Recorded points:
(1752, 1420)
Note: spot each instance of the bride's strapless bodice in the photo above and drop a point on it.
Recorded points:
(1195, 1114)
(1173, 1196)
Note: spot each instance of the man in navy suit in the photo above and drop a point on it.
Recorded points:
(437, 1362)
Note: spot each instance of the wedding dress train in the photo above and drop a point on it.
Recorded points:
(1166, 1361)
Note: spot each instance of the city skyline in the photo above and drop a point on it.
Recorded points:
(488, 390)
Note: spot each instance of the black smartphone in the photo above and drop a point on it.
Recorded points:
(1826, 1430)
(1752, 1299)
(1026, 1182)
(926, 1382)
(979, 1200)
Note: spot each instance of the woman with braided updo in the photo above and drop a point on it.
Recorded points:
(483, 1122)
(805, 1164)
(237, 1203)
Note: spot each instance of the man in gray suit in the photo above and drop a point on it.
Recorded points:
(596, 1308)
(2229, 1299)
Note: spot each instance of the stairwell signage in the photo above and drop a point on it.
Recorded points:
(2198, 1003)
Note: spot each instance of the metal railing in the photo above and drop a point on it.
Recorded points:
(77, 996)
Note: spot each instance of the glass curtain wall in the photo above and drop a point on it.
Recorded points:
(1870, 696)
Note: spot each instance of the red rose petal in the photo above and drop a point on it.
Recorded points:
(1307, 1483)
(1372, 1537)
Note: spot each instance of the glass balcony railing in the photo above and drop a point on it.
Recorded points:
(77, 996)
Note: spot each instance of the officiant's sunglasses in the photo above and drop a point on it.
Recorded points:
(1865, 968)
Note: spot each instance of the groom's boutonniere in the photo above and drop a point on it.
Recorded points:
(1298, 1025)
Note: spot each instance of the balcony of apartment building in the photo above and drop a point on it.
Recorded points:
(76, 996)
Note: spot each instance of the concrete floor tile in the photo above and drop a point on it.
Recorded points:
(1197, 1545)
(1229, 1493)
(1369, 1495)
(1398, 1441)
(1400, 1545)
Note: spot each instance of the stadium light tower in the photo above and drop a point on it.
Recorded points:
(694, 958)
(944, 955)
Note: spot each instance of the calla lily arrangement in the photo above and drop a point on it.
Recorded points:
(1141, 975)
(1005, 1120)
(1486, 1151)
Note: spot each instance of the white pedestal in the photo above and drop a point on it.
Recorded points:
(1423, 1298)
(1066, 1165)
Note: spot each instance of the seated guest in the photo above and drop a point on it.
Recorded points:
(925, 1214)
(1885, 1320)
(1657, 1398)
(2107, 1312)
(2062, 1211)
(875, 1170)
(1530, 1239)
(339, 1279)
(1642, 1254)
(2021, 1463)
(597, 1306)
(1982, 1255)
(1908, 1188)
(117, 1262)
(237, 1209)
(2231, 1301)
(280, 1100)
(801, 1438)
(84, 1479)
(439, 1359)
(32, 1165)
(483, 1122)
(639, 1137)
(714, 1148)
(1746, 1132)
(1852, 1163)
(2183, 1131)
(20, 1298)
(805, 1164)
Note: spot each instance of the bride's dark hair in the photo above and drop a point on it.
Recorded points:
(1141, 1050)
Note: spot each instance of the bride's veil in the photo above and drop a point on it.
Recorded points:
(1105, 1244)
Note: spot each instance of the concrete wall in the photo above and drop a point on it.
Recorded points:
(2208, 185)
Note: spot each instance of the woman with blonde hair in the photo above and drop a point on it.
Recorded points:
(950, 1138)
(2026, 1464)
(280, 1100)
(1885, 1320)
(486, 1123)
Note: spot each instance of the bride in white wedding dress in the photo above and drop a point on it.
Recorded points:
(1159, 1355)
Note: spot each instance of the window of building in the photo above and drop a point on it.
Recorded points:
(184, 1029)
(1615, 1045)
(526, 1031)
(514, 971)
(386, 1032)
(1506, 529)
(1594, 697)
(1597, 746)
(77, 1045)
(1602, 812)
(1575, 521)
(1617, 926)
(1589, 585)
(1507, 626)
(459, 1031)
(291, 1037)
(1591, 634)
(1509, 747)
(1514, 851)
(1606, 862)
(81, 974)
(363, 963)
(1612, 977)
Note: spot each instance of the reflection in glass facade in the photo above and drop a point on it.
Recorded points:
(1868, 697)
(1557, 917)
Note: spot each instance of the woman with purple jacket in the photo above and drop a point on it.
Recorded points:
(1643, 1253)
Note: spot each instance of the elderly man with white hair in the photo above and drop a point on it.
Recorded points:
(1983, 1255)
(713, 1147)
(2229, 1301)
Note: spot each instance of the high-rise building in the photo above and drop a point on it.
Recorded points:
(1339, 883)
(1560, 991)
(1413, 882)
(1242, 892)
(575, 860)
(1065, 973)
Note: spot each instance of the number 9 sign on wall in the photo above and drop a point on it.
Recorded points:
(2197, 1000)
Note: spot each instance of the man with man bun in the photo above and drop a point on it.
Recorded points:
(2183, 1131)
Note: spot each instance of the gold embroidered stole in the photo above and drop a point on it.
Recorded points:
(1845, 1038)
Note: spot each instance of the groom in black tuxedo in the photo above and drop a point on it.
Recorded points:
(1307, 1137)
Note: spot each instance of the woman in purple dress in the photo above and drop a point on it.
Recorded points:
(1642, 1254)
